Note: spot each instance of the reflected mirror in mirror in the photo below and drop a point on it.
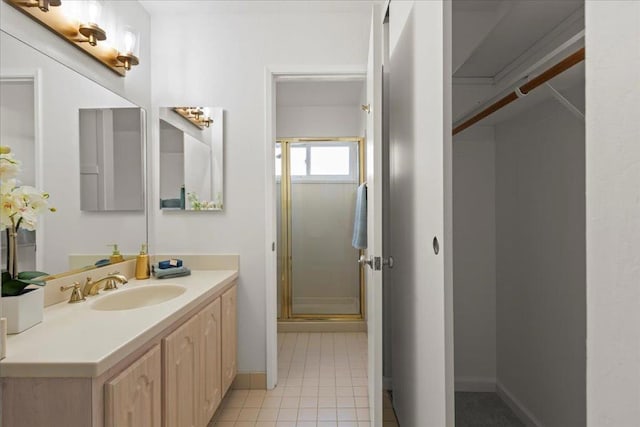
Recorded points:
(111, 153)
(41, 100)
(191, 158)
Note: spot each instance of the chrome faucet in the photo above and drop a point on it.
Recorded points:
(109, 282)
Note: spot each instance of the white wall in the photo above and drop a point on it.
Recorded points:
(474, 259)
(613, 213)
(229, 71)
(540, 270)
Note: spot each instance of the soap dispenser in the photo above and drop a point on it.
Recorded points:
(142, 264)
(115, 256)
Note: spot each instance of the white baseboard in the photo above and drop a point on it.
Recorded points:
(517, 407)
(387, 383)
(475, 384)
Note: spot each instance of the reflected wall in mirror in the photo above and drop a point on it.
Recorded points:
(111, 158)
(191, 158)
(41, 101)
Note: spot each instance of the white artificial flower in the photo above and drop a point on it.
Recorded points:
(9, 167)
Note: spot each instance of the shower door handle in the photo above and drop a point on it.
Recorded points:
(376, 262)
(364, 261)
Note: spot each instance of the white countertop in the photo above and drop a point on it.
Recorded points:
(76, 341)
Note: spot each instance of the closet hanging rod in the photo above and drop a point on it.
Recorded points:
(561, 66)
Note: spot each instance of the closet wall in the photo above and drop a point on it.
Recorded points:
(540, 261)
(474, 259)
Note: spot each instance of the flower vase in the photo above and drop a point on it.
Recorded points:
(12, 250)
(23, 311)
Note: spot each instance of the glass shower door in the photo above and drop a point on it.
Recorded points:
(321, 276)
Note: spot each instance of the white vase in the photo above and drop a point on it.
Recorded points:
(23, 311)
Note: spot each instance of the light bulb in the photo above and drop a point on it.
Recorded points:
(129, 41)
(72, 9)
(94, 8)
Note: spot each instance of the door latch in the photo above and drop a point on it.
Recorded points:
(376, 263)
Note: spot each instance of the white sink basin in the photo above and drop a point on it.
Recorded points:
(143, 296)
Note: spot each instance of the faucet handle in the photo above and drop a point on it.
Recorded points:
(76, 294)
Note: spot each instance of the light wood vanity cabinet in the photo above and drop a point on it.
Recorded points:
(229, 338)
(176, 379)
(132, 399)
(211, 360)
(182, 375)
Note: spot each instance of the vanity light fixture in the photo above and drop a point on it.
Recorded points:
(80, 22)
(42, 4)
(128, 49)
(197, 116)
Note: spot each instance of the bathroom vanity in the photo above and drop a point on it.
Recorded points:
(168, 364)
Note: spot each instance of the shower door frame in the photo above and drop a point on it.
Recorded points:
(286, 306)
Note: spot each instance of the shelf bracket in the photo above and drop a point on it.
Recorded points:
(565, 102)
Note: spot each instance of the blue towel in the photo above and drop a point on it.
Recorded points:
(166, 273)
(359, 240)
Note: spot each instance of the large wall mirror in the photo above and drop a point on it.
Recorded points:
(191, 158)
(70, 133)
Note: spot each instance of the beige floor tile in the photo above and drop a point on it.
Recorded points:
(327, 402)
(307, 414)
(234, 402)
(329, 381)
(327, 424)
(292, 391)
(286, 424)
(326, 391)
(362, 402)
(344, 381)
(345, 402)
(306, 424)
(268, 414)
(288, 414)
(253, 402)
(223, 424)
(293, 382)
(289, 402)
(327, 414)
(364, 424)
(360, 381)
(244, 424)
(347, 424)
(344, 391)
(309, 391)
(347, 414)
(277, 391)
(360, 391)
(363, 414)
(248, 414)
(308, 402)
(272, 402)
(266, 424)
(229, 414)
(257, 393)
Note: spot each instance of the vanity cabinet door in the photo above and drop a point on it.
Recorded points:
(182, 375)
(211, 360)
(133, 398)
(229, 338)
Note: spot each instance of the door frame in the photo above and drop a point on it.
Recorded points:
(274, 73)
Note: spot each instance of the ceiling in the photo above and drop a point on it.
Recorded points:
(164, 7)
(495, 33)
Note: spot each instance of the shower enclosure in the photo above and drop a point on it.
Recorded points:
(319, 277)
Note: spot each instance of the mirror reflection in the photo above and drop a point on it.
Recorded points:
(41, 104)
(191, 154)
(111, 156)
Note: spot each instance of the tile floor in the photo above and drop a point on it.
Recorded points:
(322, 382)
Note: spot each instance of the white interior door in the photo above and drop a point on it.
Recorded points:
(374, 217)
(420, 153)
